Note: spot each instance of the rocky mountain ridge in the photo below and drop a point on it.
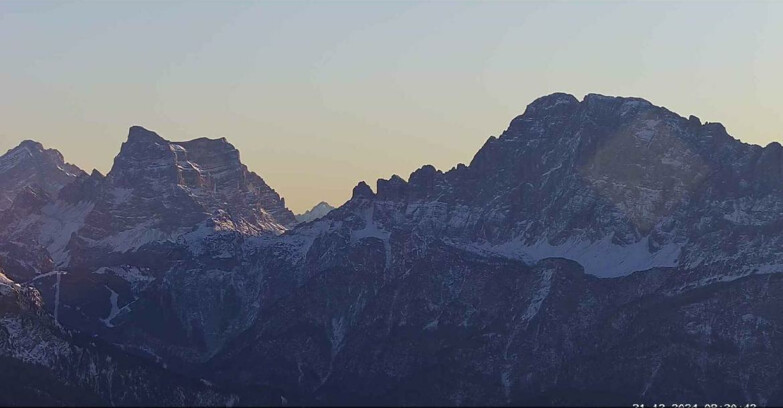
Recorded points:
(30, 164)
(318, 211)
(156, 191)
(605, 176)
(603, 251)
(100, 249)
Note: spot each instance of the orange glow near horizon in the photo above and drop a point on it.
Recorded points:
(318, 96)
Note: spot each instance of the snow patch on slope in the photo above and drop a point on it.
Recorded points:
(295, 244)
(136, 237)
(718, 276)
(541, 293)
(115, 309)
(131, 274)
(13, 158)
(60, 220)
(601, 258)
(372, 230)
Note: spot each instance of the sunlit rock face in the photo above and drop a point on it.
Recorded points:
(601, 252)
(176, 185)
(486, 284)
(122, 239)
(156, 192)
(616, 184)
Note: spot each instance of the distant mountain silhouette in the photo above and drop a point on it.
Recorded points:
(318, 211)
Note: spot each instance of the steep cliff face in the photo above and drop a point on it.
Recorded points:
(125, 238)
(616, 184)
(478, 285)
(603, 251)
(30, 165)
(29, 177)
(359, 313)
(48, 365)
(158, 178)
(156, 192)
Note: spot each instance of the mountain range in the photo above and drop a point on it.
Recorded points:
(598, 252)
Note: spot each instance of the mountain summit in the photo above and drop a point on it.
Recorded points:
(601, 251)
(205, 173)
(616, 184)
(156, 191)
(31, 165)
(318, 211)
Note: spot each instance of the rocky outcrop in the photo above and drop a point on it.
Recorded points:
(598, 252)
(156, 191)
(370, 317)
(29, 165)
(178, 185)
(48, 365)
(616, 184)
(480, 285)
(125, 237)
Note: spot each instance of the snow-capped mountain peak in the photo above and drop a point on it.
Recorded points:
(30, 164)
(318, 211)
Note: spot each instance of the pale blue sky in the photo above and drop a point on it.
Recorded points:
(320, 95)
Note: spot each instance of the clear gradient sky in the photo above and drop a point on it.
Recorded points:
(320, 95)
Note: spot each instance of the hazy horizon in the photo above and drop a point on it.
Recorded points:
(383, 89)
